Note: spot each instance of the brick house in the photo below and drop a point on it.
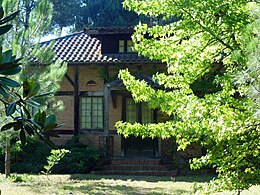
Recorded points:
(95, 99)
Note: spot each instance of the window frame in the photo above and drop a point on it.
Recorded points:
(121, 41)
(91, 114)
(138, 111)
(125, 46)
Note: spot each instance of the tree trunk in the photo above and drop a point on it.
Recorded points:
(7, 158)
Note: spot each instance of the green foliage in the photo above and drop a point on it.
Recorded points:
(88, 13)
(17, 100)
(16, 104)
(82, 159)
(28, 158)
(31, 23)
(42, 125)
(20, 178)
(53, 159)
(31, 157)
(9, 65)
(213, 41)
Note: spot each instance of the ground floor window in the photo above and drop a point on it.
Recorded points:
(138, 112)
(91, 113)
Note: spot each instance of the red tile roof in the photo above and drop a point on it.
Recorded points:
(80, 48)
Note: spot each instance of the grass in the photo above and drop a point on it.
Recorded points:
(95, 184)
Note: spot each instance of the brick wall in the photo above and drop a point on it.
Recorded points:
(65, 84)
(66, 116)
(90, 73)
(92, 140)
(115, 113)
(117, 145)
(60, 141)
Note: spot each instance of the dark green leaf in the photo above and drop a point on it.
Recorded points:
(37, 126)
(12, 71)
(29, 129)
(51, 134)
(27, 112)
(44, 94)
(3, 92)
(7, 56)
(9, 68)
(39, 118)
(2, 84)
(9, 82)
(50, 119)
(59, 125)
(4, 29)
(18, 125)
(1, 12)
(9, 18)
(10, 109)
(34, 88)
(30, 88)
(50, 127)
(33, 104)
(26, 88)
(8, 126)
(22, 136)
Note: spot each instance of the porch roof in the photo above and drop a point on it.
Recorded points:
(80, 48)
(118, 84)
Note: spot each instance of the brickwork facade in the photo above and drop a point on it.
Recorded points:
(67, 114)
(92, 137)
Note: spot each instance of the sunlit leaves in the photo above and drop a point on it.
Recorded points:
(213, 41)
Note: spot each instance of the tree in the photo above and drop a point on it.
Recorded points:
(208, 45)
(66, 13)
(106, 13)
(29, 25)
(88, 13)
(32, 23)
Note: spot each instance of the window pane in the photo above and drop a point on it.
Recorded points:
(88, 106)
(130, 46)
(87, 126)
(131, 110)
(147, 114)
(121, 46)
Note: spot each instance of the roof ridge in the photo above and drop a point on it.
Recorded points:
(63, 37)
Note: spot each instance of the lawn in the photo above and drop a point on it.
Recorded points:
(94, 184)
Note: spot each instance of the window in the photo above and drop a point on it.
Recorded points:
(131, 110)
(138, 112)
(125, 46)
(130, 46)
(121, 46)
(91, 114)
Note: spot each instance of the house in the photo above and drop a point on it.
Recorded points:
(95, 99)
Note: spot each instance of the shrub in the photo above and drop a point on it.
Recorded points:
(31, 158)
(81, 159)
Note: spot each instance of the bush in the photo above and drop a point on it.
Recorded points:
(32, 158)
(81, 159)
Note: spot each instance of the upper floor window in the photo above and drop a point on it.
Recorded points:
(125, 46)
(121, 46)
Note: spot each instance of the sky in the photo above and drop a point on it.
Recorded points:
(65, 31)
